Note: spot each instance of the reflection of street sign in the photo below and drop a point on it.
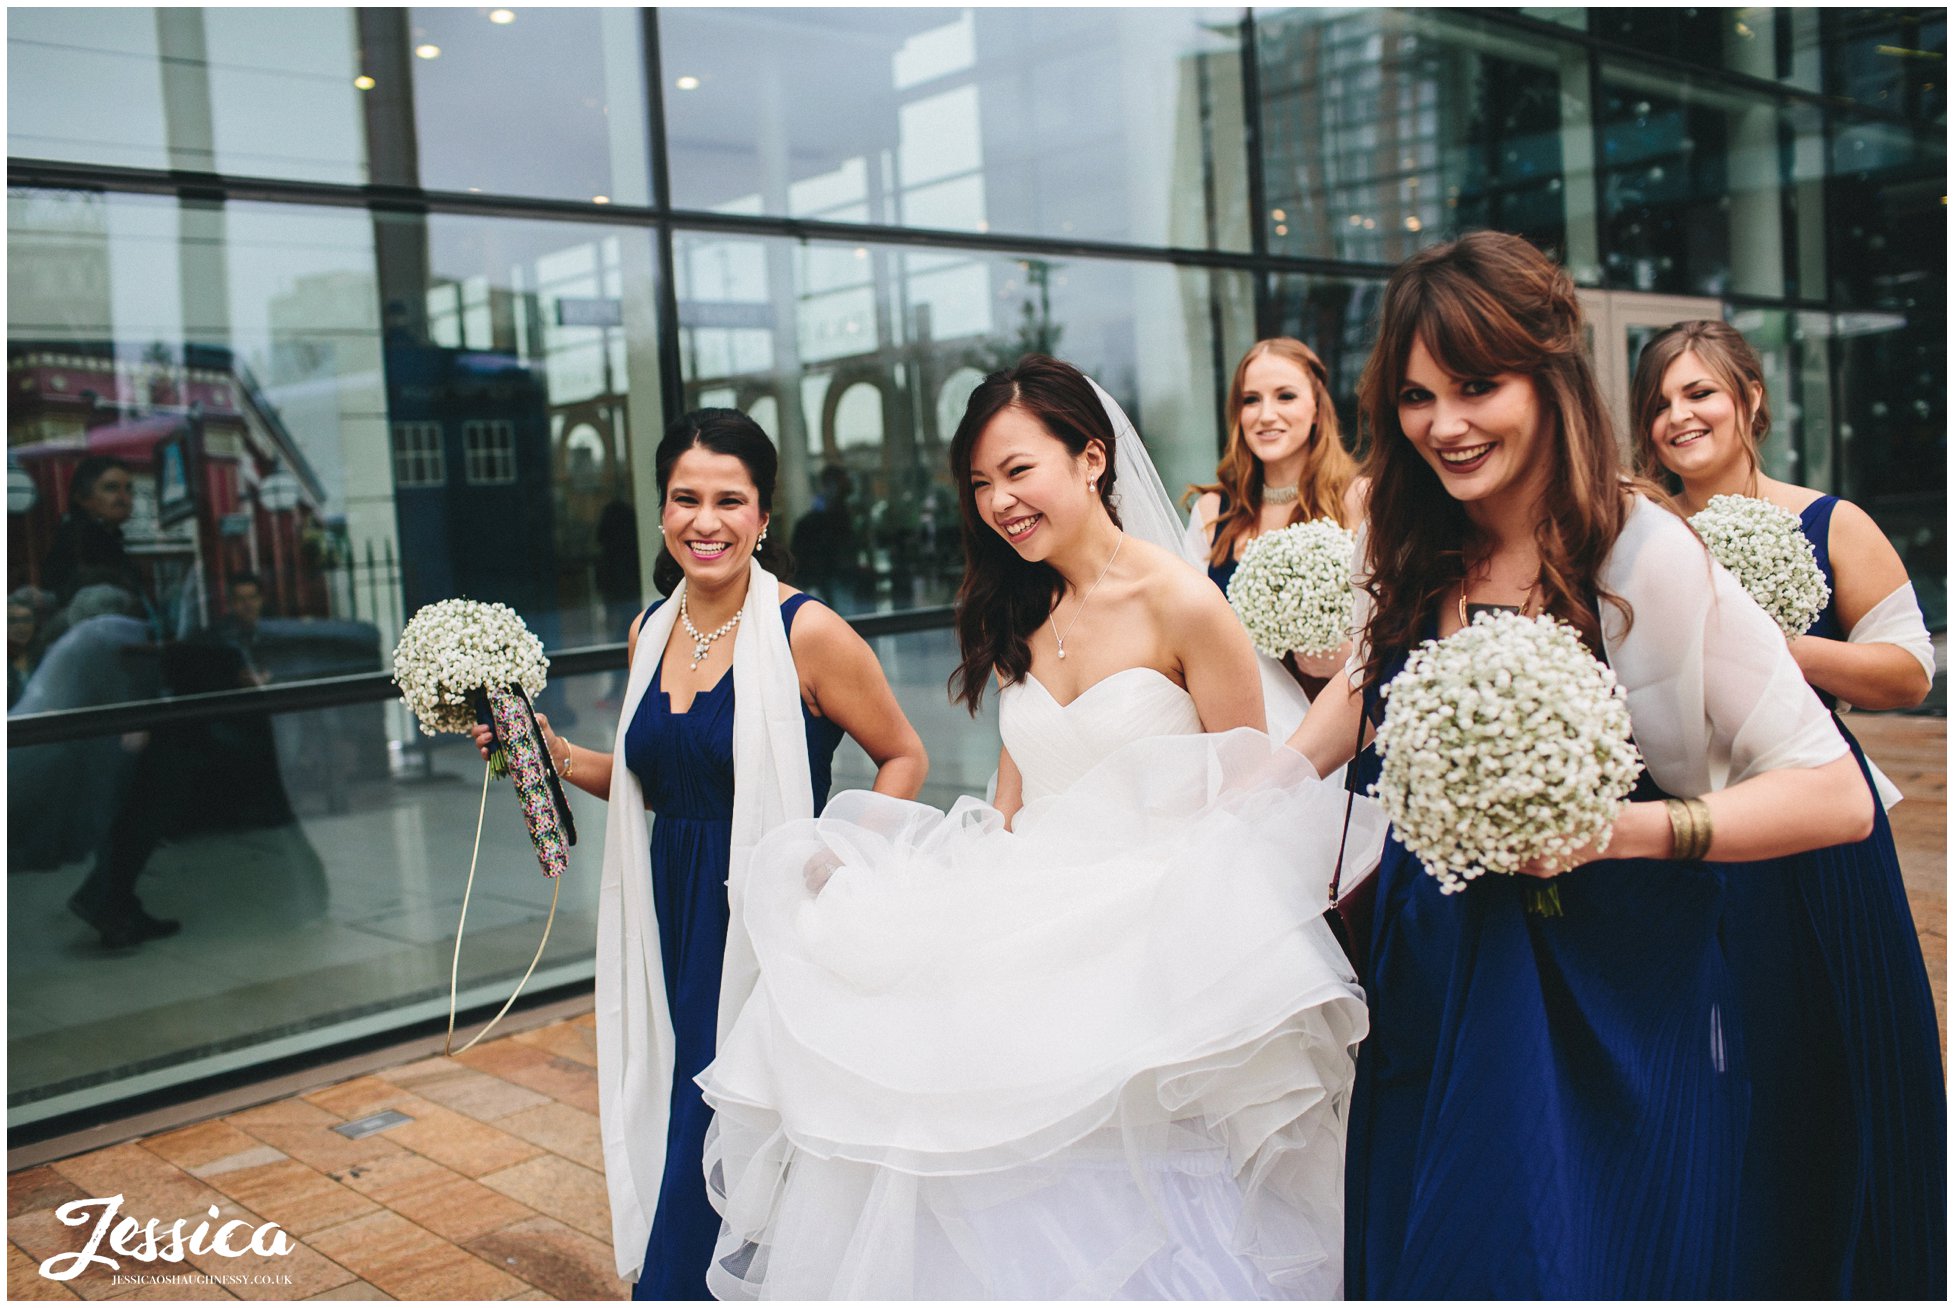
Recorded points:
(21, 491)
(724, 313)
(589, 311)
(235, 524)
(176, 491)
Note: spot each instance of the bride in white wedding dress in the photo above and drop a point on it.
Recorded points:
(1092, 1040)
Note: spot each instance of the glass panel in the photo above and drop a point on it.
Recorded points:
(1773, 44)
(318, 903)
(1336, 317)
(254, 92)
(1099, 124)
(1794, 349)
(525, 101)
(1888, 193)
(1386, 130)
(1890, 59)
(864, 356)
(1699, 184)
(363, 414)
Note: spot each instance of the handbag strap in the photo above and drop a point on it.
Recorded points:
(1349, 801)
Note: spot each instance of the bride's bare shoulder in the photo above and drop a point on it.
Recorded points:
(1176, 590)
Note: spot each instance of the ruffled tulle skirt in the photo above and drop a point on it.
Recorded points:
(1104, 1055)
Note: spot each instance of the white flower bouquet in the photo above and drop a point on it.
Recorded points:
(1769, 555)
(451, 652)
(1292, 588)
(1505, 742)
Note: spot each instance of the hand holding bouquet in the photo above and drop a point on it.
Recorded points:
(451, 653)
(1504, 743)
(1292, 589)
(1769, 555)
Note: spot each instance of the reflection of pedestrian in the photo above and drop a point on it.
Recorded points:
(235, 757)
(824, 541)
(618, 583)
(28, 610)
(87, 548)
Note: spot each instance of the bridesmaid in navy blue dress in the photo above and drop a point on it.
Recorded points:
(716, 471)
(1844, 1191)
(684, 760)
(1553, 1107)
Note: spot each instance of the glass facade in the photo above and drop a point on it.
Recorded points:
(374, 307)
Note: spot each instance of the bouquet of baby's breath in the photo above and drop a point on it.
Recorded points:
(1292, 588)
(1505, 742)
(451, 652)
(1769, 555)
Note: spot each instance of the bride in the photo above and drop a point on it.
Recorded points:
(1092, 1040)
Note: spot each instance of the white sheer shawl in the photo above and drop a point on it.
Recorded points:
(1895, 620)
(1713, 691)
(634, 1025)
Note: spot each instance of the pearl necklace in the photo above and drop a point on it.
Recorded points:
(1060, 636)
(1281, 494)
(702, 645)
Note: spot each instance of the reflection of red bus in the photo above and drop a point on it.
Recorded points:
(247, 501)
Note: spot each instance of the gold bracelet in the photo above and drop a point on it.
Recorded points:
(1699, 812)
(1680, 835)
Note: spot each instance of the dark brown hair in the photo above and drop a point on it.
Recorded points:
(1004, 597)
(721, 431)
(1328, 468)
(1731, 361)
(1486, 304)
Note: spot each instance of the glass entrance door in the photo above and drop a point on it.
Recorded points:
(1620, 323)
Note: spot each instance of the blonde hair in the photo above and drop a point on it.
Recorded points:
(1328, 468)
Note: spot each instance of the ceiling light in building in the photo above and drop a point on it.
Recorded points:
(428, 50)
(1370, 224)
(1279, 215)
(983, 225)
(687, 83)
(1282, 229)
(1743, 29)
(1356, 220)
(502, 16)
(600, 199)
(861, 252)
(363, 82)
(1412, 224)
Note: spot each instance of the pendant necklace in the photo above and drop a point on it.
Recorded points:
(1060, 636)
(702, 644)
(1467, 612)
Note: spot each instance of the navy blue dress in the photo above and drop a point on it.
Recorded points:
(1845, 1176)
(685, 763)
(1545, 1107)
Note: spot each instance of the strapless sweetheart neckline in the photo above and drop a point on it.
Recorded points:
(1032, 678)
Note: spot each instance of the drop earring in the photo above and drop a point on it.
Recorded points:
(762, 541)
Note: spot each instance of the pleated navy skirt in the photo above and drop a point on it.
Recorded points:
(1845, 1174)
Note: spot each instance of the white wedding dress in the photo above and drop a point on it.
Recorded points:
(1106, 1054)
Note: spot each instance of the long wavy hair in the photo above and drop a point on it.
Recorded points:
(721, 431)
(1486, 304)
(1328, 468)
(1734, 365)
(1005, 597)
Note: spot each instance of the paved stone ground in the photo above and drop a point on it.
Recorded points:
(495, 1190)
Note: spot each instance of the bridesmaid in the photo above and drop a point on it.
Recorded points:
(1845, 1176)
(1285, 463)
(729, 727)
(1553, 1107)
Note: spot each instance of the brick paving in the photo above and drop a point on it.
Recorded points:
(495, 1190)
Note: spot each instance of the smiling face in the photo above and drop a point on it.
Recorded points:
(1278, 409)
(1485, 437)
(1698, 431)
(1029, 487)
(712, 515)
